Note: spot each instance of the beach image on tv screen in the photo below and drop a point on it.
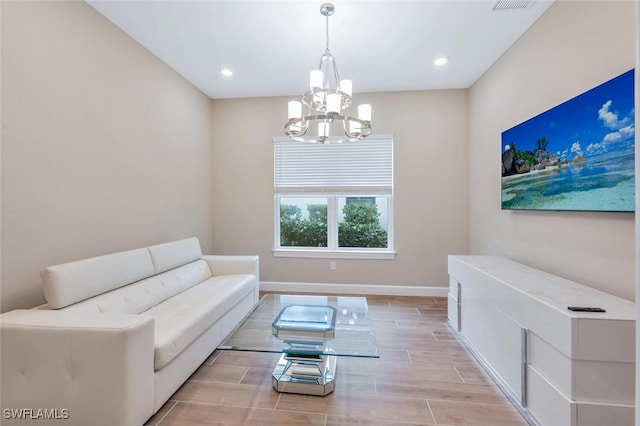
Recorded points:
(578, 155)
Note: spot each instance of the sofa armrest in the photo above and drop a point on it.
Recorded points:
(85, 368)
(228, 265)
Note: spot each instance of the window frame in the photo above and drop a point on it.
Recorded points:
(292, 179)
(333, 251)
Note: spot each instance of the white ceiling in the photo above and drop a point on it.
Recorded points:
(272, 45)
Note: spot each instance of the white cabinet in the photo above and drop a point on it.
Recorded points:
(564, 368)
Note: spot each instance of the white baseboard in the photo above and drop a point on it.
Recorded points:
(387, 290)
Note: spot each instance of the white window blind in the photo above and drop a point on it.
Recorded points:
(363, 166)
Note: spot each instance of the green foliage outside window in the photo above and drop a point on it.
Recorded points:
(360, 228)
(298, 232)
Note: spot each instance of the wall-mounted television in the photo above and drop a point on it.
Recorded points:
(578, 155)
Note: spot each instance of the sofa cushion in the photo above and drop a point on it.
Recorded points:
(72, 282)
(175, 253)
(142, 295)
(180, 320)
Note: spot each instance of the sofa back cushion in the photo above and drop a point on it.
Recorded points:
(72, 282)
(173, 254)
(142, 295)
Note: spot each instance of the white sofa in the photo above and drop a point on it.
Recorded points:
(120, 333)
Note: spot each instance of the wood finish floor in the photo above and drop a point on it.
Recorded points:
(424, 376)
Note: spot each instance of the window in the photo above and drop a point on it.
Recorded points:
(334, 200)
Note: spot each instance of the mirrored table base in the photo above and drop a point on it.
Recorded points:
(305, 374)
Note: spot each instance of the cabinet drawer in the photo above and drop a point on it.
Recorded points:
(547, 404)
(550, 407)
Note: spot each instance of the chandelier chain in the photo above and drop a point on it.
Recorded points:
(327, 32)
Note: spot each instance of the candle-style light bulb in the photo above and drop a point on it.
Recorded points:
(346, 87)
(295, 109)
(364, 112)
(315, 79)
(323, 130)
(333, 102)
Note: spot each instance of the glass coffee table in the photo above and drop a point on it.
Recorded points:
(311, 332)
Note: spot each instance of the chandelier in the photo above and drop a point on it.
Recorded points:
(326, 117)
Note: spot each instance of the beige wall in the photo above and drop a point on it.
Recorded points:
(430, 158)
(573, 47)
(104, 148)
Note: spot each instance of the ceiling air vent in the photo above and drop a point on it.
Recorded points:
(511, 4)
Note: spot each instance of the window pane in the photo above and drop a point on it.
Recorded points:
(303, 222)
(363, 222)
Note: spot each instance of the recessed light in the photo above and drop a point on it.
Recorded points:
(226, 72)
(440, 61)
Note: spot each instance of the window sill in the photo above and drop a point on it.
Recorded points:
(336, 254)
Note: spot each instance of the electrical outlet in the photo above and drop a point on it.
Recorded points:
(332, 266)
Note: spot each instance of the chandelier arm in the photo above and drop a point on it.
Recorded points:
(296, 127)
(362, 130)
(329, 117)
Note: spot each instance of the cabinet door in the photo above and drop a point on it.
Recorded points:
(493, 336)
